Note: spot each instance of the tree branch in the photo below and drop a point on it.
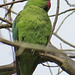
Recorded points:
(73, 5)
(10, 10)
(63, 21)
(54, 24)
(5, 26)
(48, 65)
(12, 3)
(64, 40)
(5, 20)
(7, 69)
(63, 12)
(55, 21)
(48, 53)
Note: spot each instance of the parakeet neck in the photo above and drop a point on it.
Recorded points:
(39, 3)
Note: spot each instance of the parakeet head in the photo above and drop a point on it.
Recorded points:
(45, 4)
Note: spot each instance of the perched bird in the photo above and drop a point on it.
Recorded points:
(32, 25)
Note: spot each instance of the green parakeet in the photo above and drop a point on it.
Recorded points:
(32, 25)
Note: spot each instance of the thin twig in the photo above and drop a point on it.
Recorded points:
(10, 10)
(63, 21)
(48, 65)
(64, 40)
(68, 49)
(73, 5)
(49, 68)
(63, 12)
(5, 26)
(56, 18)
(5, 20)
(59, 72)
(12, 3)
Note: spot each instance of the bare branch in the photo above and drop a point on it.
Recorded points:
(5, 26)
(63, 21)
(63, 12)
(48, 56)
(64, 40)
(48, 66)
(12, 3)
(8, 13)
(68, 50)
(73, 5)
(10, 10)
(55, 21)
(7, 69)
(49, 53)
(54, 24)
(59, 72)
(5, 20)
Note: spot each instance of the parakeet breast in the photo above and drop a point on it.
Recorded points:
(34, 26)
